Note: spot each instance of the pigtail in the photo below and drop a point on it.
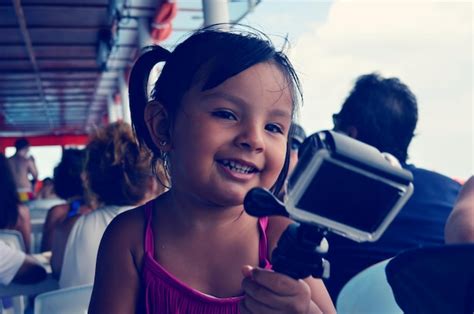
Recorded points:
(138, 95)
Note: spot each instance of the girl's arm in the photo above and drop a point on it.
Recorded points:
(117, 277)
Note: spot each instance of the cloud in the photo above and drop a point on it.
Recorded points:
(428, 45)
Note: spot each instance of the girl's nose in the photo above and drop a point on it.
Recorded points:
(251, 139)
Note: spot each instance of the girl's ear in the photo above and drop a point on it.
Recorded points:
(158, 124)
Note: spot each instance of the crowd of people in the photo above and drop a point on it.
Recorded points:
(153, 216)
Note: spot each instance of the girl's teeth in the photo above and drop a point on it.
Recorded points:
(232, 165)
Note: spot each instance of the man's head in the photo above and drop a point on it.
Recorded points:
(22, 145)
(381, 112)
(297, 137)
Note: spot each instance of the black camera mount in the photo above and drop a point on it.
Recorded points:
(301, 247)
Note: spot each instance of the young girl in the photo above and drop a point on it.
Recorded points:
(219, 120)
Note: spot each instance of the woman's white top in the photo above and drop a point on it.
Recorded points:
(11, 260)
(83, 245)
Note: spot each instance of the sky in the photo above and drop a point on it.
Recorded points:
(428, 45)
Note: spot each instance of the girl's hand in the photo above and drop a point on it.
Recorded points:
(267, 291)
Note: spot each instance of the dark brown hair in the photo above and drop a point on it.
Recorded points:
(220, 53)
(8, 195)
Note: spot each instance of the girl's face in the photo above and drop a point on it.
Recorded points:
(231, 138)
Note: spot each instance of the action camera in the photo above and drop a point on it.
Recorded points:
(346, 187)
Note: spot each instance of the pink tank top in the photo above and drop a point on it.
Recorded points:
(164, 293)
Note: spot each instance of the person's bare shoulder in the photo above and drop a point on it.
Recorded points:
(58, 211)
(128, 229)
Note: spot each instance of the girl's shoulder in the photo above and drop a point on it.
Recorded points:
(130, 221)
(127, 230)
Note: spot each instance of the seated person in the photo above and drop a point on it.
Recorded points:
(297, 137)
(383, 112)
(47, 190)
(68, 186)
(460, 225)
(18, 267)
(13, 214)
(119, 174)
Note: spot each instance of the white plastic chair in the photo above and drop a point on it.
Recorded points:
(45, 205)
(38, 211)
(369, 293)
(14, 239)
(73, 300)
(18, 292)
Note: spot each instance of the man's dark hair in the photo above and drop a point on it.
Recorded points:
(21, 143)
(384, 111)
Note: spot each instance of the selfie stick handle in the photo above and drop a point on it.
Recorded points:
(299, 252)
(300, 249)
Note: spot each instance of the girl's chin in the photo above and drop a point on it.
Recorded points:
(230, 199)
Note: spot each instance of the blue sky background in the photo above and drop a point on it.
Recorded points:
(427, 44)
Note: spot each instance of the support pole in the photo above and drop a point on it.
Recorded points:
(124, 96)
(215, 11)
(111, 109)
(144, 37)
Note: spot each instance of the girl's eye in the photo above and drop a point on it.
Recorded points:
(224, 114)
(274, 128)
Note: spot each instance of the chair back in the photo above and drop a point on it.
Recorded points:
(435, 280)
(368, 292)
(73, 300)
(12, 238)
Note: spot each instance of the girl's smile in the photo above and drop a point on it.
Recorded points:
(238, 169)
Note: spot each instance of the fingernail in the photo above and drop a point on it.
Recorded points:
(247, 271)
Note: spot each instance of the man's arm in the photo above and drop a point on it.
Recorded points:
(17, 267)
(32, 168)
(30, 271)
(460, 224)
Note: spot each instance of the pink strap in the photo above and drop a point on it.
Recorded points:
(264, 261)
(149, 243)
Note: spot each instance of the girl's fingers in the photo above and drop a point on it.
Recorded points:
(279, 284)
(260, 299)
(247, 271)
(251, 305)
